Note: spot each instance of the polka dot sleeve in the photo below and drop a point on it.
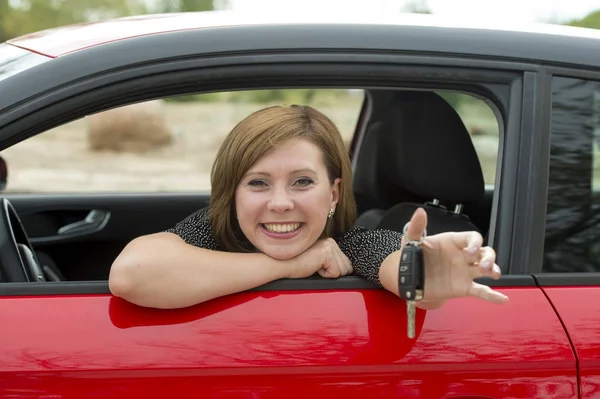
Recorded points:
(367, 249)
(196, 230)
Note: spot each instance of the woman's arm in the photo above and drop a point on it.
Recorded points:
(163, 271)
(375, 255)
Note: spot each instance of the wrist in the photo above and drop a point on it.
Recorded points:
(430, 304)
(277, 269)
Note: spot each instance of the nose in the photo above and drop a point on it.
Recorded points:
(280, 200)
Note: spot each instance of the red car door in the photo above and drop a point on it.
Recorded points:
(571, 254)
(579, 310)
(292, 343)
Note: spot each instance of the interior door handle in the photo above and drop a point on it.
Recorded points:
(94, 221)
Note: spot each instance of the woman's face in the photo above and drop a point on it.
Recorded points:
(283, 201)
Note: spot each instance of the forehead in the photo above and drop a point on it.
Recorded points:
(294, 153)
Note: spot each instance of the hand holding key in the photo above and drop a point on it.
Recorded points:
(451, 262)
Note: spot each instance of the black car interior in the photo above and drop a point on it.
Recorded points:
(396, 170)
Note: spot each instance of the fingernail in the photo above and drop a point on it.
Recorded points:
(486, 264)
(497, 269)
(471, 250)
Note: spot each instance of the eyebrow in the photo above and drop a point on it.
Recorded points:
(303, 170)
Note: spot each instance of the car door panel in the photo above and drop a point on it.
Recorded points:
(579, 310)
(348, 343)
(97, 226)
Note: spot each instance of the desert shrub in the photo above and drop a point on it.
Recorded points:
(138, 127)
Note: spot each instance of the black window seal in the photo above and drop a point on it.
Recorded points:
(348, 283)
(567, 279)
(315, 74)
(529, 218)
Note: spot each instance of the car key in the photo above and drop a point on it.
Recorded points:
(411, 280)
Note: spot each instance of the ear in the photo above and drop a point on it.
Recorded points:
(335, 192)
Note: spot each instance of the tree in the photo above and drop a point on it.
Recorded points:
(29, 16)
(592, 20)
(188, 5)
(4, 10)
(35, 15)
(417, 7)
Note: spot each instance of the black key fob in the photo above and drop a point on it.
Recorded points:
(411, 273)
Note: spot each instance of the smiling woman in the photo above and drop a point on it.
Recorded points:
(282, 206)
(291, 165)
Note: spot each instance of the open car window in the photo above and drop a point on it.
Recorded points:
(168, 145)
(165, 145)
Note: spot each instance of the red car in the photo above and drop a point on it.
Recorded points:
(62, 334)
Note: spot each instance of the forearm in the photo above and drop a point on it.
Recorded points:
(162, 271)
(388, 276)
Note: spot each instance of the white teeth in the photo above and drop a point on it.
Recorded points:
(282, 228)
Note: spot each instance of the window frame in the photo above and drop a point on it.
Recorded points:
(500, 82)
(548, 279)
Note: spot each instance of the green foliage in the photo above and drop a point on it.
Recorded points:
(452, 98)
(416, 7)
(35, 15)
(185, 5)
(592, 20)
(28, 16)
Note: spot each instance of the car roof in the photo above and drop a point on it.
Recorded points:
(63, 40)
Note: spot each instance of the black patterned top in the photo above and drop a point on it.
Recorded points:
(366, 249)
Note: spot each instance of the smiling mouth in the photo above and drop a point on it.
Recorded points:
(281, 228)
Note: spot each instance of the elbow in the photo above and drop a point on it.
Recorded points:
(120, 281)
(125, 273)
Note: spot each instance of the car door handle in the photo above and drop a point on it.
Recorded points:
(94, 221)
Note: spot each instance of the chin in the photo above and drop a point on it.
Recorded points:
(282, 255)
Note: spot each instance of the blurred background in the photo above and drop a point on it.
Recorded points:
(171, 142)
(19, 17)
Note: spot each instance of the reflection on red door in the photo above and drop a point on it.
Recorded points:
(285, 344)
(579, 309)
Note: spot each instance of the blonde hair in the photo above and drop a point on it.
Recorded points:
(251, 139)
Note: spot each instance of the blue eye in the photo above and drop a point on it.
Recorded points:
(256, 183)
(304, 181)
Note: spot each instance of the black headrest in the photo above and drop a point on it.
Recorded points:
(371, 188)
(427, 150)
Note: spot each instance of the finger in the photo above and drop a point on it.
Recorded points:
(486, 293)
(487, 257)
(472, 242)
(345, 264)
(322, 273)
(329, 270)
(417, 225)
(337, 266)
(341, 265)
(476, 271)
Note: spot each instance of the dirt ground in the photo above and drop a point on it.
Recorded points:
(60, 161)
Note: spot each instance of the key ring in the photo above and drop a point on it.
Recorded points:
(412, 242)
